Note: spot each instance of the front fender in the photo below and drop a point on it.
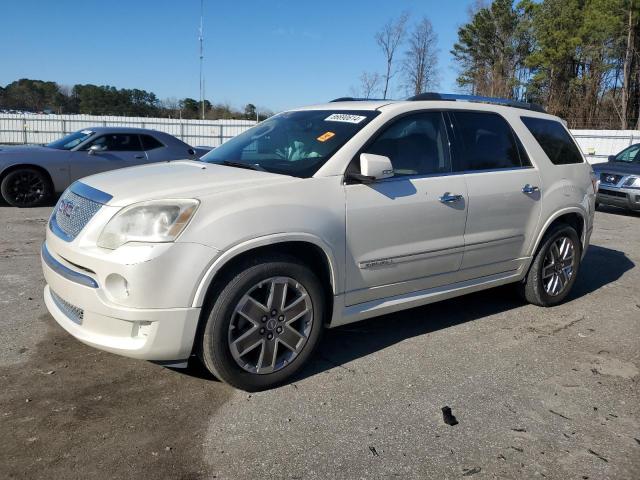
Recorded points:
(228, 255)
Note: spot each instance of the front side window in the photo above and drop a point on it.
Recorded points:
(117, 142)
(629, 154)
(71, 141)
(292, 143)
(554, 140)
(416, 144)
(485, 142)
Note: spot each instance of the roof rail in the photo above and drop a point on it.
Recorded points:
(353, 99)
(475, 98)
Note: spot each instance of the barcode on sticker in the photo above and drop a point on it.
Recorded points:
(344, 117)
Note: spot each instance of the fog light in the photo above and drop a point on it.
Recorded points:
(141, 329)
(117, 286)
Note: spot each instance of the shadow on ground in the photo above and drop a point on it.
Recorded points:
(341, 345)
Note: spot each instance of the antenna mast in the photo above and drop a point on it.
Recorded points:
(201, 39)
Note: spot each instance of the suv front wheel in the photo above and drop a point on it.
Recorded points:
(263, 324)
(554, 268)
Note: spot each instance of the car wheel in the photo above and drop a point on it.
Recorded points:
(263, 325)
(26, 187)
(554, 268)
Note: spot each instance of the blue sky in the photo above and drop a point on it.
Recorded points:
(276, 54)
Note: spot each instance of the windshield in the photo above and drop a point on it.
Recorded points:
(629, 155)
(292, 143)
(72, 140)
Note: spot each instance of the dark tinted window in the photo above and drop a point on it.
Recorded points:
(149, 143)
(118, 142)
(629, 154)
(485, 141)
(416, 144)
(554, 140)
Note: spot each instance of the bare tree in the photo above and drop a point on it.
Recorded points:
(630, 63)
(369, 84)
(420, 66)
(389, 39)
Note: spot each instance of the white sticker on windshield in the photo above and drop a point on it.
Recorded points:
(86, 132)
(344, 117)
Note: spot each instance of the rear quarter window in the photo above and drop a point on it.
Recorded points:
(554, 140)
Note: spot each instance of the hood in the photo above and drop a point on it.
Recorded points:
(177, 179)
(619, 168)
(4, 149)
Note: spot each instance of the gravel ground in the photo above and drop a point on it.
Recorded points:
(538, 393)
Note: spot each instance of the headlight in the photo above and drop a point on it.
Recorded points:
(632, 182)
(154, 221)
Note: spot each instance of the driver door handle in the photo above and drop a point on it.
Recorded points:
(529, 189)
(450, 198)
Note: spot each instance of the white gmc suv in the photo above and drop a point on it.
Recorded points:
(315, 218)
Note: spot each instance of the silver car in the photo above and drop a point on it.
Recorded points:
(30, 175)
(620, 179)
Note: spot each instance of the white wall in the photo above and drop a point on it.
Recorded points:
(597, 145)
(39, 129)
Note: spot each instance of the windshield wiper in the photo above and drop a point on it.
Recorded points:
(249, 166)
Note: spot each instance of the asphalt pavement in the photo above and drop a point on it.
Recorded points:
(536, 393)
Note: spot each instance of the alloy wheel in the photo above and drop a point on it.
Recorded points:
(27, 188)
(270, 325)
(558, 266)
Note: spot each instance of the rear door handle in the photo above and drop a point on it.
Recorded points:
(529, 189)
(450, 198)
(139, 156)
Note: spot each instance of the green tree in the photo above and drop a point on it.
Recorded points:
(250, 111)
(492, 48)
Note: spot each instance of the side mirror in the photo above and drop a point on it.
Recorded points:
(375, 166)
(93, 149)
(612, 158)
(372, 167)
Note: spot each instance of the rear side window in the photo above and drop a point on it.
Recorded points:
(554, 140)
(149, 143)
(485, 141)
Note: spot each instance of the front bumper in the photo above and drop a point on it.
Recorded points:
(619, 196)
(140, 324)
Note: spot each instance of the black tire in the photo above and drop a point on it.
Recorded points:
(26, 187)
(213, 345)
(532, 288)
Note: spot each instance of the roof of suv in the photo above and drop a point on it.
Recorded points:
(460, 104)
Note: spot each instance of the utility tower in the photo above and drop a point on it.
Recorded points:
(201, 39)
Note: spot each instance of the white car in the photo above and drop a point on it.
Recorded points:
(315, 218)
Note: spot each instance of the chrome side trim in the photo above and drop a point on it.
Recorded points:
(65, 271)
(90, 193)
(410, 257)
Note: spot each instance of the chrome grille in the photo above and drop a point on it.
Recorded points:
(72, 213)
(75, 314)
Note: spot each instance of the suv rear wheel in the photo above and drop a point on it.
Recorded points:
(263, 324)
(554, 268)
